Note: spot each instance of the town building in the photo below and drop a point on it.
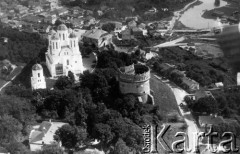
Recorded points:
(44, 135)
(51, 4)
(50, 19)
(21, 9)
(63, 53)
(118, 27)
(201, 94)
(38, 79)
(134, 79)
(132, 24)
(89, 20)
(208, 121)
(238, 78)
(97, 37)
(190, 84)
(137, 32)
(62, 11)
(77, 10)
(127, 34)
(4, 18)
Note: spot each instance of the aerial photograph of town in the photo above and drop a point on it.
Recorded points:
(119, 76)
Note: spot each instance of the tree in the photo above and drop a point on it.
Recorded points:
(71, 136)
(80, 116)
(206, 104)
(58, 22)
(103, 133)
(63, 82)
(71, 76)
(120, 147)
(16, 147)
(108, 27)
(97, 84)
(10, 129)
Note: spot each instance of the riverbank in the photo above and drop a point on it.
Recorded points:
(227, 10)
(175, 23)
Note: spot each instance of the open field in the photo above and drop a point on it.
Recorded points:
(163, 96)
(169, 137)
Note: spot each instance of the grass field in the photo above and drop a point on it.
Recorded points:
(163, 96)
(169, 137)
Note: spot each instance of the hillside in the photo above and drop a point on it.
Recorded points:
(119, 9)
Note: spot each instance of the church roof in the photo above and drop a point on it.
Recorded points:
(94, 33)
(52, 32)
(55, 37)
(62, 27)
(72, 35)
(37, 67)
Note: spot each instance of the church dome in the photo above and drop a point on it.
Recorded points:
(37, 67)
(62, 27)
(72, 35)
(55, 37)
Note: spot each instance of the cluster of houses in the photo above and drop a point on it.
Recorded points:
(187, 83)
(233, 18)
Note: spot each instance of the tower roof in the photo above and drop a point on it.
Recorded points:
(62, 27)
(72, 35)
(37, 67)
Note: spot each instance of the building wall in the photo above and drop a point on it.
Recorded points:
(35, 147)
(66, 54)
(140, 88)
(135, 83)
(38, 80)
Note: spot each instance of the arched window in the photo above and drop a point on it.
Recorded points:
(38, 74)
(60, 36)
(63, 36)
(67, 62)
(56, 45)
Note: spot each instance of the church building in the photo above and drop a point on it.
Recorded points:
(63, 53)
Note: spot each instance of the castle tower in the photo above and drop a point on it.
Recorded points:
(38, 79)
(134, 79)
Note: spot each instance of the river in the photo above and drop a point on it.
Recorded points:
(192, 17)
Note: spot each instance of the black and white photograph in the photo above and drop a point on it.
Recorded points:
(119, 76)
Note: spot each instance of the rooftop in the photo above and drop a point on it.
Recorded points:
(95, 33)
(37, 67)
(72, 35)
(44, 132)
(188, 81)
(62, 27)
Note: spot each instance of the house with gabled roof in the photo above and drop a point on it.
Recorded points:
(97, 37)
(43, 134)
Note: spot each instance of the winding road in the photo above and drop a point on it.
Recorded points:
(192, 127)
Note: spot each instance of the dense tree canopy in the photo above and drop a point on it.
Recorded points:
(21, 47)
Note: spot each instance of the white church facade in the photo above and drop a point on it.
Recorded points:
(38, 80)
(63, 53)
